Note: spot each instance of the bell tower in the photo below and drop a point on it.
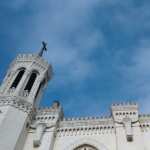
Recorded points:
(20, 93)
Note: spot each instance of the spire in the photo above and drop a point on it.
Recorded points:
(44, 48)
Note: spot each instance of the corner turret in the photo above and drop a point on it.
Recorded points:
(125, 114)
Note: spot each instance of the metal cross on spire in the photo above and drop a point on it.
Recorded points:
(44, 48)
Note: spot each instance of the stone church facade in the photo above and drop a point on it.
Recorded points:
(24, 126)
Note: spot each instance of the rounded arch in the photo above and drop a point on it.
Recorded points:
(86, 141)
(21, 68)
(18, 69)
(20, 72)
(35, 71)
(31, 81)
(85, 147)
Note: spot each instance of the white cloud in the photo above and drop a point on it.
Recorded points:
(68, 28)
(137, 74)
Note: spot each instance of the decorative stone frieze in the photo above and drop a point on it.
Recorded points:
(85, 130)
(17, 103)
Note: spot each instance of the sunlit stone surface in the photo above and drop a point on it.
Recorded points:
(25, 126)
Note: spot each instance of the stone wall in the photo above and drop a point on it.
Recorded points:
(131, 131)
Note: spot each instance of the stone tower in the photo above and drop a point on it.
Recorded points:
(20, 92)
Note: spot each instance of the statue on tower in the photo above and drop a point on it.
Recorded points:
(44, 48)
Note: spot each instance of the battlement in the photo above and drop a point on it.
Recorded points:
(85, 130)
(50, 113)
(85, 126)
(47, 110)
(123, 115)
(122, 111)
(119, 111)
(124, 106)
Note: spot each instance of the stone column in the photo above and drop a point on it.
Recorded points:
(34, 89)
(128, 128)
(39, 134)
(19, 90)
(8, 81)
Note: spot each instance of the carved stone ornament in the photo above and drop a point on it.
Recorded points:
(17, 103)
(40, 128)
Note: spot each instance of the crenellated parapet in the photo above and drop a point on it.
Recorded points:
(125, 115)
(85, 130)
(85, 126)
(53, 113)
(125, 110)
(123, 121)
(18, 103)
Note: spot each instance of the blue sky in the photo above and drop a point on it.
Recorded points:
(99, 49)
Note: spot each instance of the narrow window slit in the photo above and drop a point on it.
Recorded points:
(30, 82)
(17, 79)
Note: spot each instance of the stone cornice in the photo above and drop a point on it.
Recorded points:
(17, 103)
(31, 57)
(104, 118)
(69, 122)
(85, 130)
(47, 110)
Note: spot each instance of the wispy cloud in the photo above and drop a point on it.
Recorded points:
(137, 74)
(68, 29)
(99, 49)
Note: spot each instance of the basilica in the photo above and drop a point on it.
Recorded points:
(26, 126)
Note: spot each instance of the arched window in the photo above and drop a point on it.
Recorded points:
(85, 147)
(30, 82)
(18, 78)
